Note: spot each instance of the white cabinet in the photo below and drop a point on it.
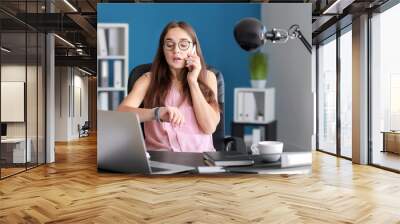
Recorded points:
(253, 105)
(112, 64)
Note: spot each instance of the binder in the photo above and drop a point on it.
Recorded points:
(240, 115)
(249, 106)
(115, 100)
(103, 101)
(117, 74)
(256, 135)
(113, 44)
(101, 42)
(104, 82)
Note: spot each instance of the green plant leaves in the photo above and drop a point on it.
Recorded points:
(258, 66)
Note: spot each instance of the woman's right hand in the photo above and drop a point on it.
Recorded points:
(172, 115)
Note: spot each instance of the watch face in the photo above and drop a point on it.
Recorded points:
(157, 114)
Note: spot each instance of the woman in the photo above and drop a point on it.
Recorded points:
(179, 94)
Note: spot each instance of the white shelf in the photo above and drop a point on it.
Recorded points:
(110, 89)
(254, 105)
(112, 62)
(112, 57)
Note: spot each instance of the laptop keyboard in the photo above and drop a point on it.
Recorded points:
(156, 169)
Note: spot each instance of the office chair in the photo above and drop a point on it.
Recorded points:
(84, 129)
(221, 142)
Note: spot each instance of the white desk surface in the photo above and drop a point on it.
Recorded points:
(13, 140)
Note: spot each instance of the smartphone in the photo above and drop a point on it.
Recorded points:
(192, 52)
(194, 49)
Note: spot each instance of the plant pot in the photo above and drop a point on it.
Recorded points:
(258, 84)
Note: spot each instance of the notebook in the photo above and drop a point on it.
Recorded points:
(231, 158)
(271, 170)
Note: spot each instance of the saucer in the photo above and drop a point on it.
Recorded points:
(269, 158)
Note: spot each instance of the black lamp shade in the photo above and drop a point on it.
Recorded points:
(250, 34)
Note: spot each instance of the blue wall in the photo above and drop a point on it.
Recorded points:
(213, 24)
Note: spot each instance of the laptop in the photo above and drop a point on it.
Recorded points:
(121, 146)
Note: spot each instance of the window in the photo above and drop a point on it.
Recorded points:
(327, 96)
(22, 66)
(385, 88)
(346, 75)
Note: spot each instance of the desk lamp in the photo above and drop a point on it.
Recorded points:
(250, 34)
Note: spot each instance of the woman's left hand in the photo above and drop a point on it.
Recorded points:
(194, 65)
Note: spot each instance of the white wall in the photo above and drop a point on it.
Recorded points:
(33, 127)
(71, 87)
(15, 72)
(290, 74)
(80, 94)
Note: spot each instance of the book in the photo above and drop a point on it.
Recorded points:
(272, 170)
(230, 158)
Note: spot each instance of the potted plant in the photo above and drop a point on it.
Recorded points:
(258, 66)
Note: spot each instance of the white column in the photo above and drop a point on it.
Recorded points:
(360, 90)
(50, 94)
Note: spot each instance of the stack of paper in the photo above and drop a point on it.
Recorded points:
(210, 169)
(293, 159)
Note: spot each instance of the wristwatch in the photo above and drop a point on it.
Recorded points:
(157, 114)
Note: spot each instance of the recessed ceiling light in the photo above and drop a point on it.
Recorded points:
(64, 40)
(84, 71)
(70, 5)
(5, 50)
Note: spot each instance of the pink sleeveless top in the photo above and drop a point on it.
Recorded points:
(187, 138)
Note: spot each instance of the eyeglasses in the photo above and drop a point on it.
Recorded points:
(183, 45)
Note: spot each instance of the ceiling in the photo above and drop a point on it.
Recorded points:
(76, 23)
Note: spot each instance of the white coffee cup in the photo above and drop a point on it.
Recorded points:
(270, 150)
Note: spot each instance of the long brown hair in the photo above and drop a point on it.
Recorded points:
(161, 76)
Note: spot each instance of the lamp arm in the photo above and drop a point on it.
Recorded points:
(295, 32)
(304, 41)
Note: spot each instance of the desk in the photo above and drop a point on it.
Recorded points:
(13, 150)
(196, 160)
(181, 158)
(391, 141)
